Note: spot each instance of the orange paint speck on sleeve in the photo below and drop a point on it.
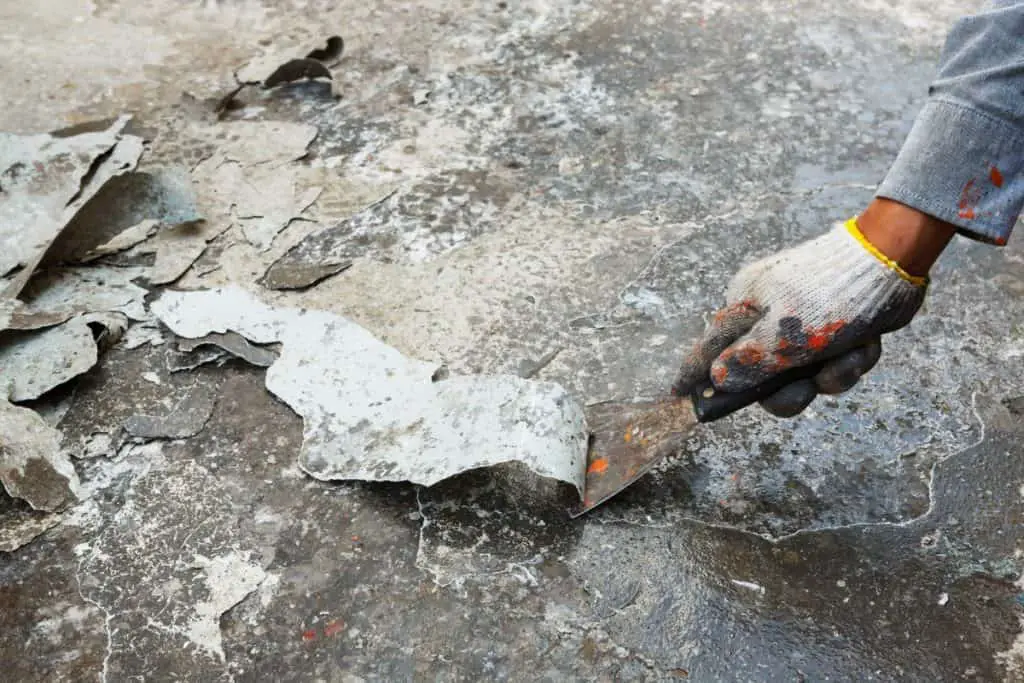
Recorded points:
(599, 466)
(995, 176)
(968, 197)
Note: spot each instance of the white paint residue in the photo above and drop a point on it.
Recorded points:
(371, 413)
(268, 589)
(1013, 659)
(73, 617)
(229, 579)
(750, 586)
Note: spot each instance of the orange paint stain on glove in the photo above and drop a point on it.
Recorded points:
(719, 373)
(820, 338)
(740, 308)
(750, 354)
(598, 466)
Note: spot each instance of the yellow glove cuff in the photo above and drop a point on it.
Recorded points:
(916, 280)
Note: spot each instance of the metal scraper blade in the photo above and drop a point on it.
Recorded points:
(627, 440)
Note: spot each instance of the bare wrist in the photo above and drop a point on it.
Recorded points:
(909, 237)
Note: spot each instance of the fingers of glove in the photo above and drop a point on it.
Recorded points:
(726, 326)
(775, 346)
(791, 399)
(842, 373)
(747, 362)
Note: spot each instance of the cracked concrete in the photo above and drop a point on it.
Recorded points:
(507, 179)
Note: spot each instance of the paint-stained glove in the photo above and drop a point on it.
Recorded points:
(829, 298)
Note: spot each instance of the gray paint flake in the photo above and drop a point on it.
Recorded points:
(47, 181)
(32, 466)
(371, 413)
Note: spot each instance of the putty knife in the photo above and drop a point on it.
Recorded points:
(628, 439)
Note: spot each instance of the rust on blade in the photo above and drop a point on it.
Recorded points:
(627, 440)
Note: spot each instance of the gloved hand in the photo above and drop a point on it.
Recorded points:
(829, 298)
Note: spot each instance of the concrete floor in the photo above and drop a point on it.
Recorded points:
(581, 176)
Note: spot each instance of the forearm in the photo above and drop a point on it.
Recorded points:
(963, 162)
(909, 237)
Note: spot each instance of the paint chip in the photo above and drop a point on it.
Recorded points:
(48, 180)
(32, 465)
(995, 176)
(371, 413)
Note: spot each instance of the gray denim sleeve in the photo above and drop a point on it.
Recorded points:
(963, 161)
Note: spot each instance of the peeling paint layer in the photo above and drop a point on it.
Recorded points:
(371, 413)
(47, 181)
(32, 466)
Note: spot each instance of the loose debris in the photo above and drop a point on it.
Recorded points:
(33, 363)
(67, 197)
(185, 419)
(32, 466)
(284, 276)
(331, 53)
(46, 180)
(164, 195)
(179, 361)
(308, 263)
(279, 67)
(251, 172)
(296, 70)
(124, 240)
(67, 292)
(371, 413)
(80, 229)
(176, 249)
(20, 524)
(235, 345)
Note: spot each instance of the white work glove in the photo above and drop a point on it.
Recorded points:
(829, 298)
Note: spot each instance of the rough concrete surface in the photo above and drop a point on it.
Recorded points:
(559, 186)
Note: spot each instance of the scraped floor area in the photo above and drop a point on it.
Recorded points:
(549, 192)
